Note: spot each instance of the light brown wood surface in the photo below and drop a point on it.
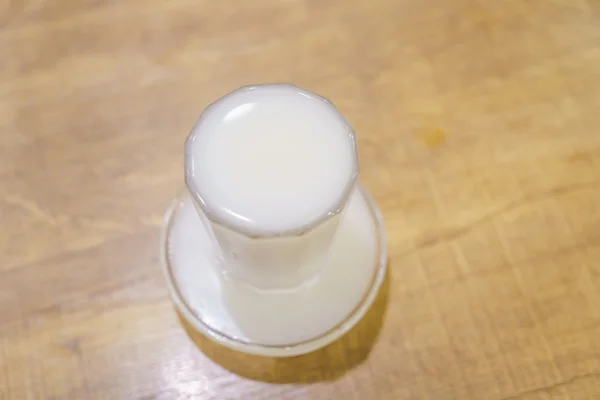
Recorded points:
(479, 135)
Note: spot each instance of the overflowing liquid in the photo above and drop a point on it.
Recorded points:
(276, 245)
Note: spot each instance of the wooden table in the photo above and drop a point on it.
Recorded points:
(479, 135)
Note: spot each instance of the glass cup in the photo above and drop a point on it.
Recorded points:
(275, 272)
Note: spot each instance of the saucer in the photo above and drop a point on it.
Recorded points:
(275, 323)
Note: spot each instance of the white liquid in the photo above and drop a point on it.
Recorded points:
(276, 317)
(271, 158)
(267, 161)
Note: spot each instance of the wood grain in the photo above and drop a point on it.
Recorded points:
(479, 135)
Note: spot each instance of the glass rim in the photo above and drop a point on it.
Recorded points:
(338, 206)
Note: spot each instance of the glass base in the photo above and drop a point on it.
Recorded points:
(275, 323)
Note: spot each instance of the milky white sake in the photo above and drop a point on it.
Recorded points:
(271, 158)
(276, 263)
(276, 317)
